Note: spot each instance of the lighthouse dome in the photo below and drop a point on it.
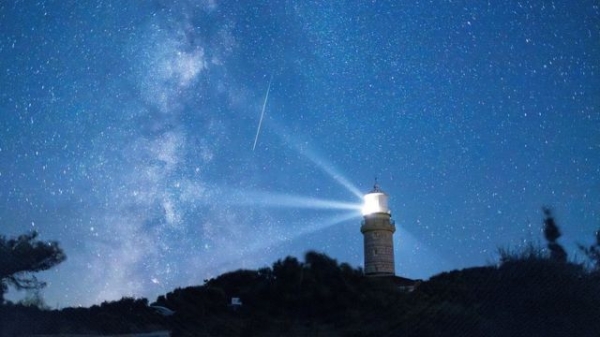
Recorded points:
(375, 202)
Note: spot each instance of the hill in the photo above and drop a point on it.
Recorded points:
(522, 296)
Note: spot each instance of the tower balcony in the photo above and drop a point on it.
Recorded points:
(378, 224)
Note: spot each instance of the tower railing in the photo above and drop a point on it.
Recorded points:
(392, 222)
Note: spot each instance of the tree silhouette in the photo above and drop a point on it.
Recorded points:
(552, 233)
(21, 257)
(528, 294)
(593, 252)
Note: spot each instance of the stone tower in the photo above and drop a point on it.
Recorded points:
(378, 229)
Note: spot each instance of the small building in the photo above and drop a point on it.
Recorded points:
(236, 303)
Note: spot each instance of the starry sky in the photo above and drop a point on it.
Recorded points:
(127, 131)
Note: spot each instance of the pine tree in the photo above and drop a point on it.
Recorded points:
(21, 257)
(552, 233)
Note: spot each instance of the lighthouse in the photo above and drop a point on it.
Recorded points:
(378, 229)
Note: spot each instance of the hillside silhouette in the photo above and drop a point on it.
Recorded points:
(529, 292)
(528, 295)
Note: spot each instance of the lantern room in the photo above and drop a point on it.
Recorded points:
(375, 201)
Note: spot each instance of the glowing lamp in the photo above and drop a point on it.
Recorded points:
(375, 202)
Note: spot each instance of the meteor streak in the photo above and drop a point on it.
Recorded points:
(262, 114)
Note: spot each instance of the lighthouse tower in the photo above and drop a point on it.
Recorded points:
(378, 229)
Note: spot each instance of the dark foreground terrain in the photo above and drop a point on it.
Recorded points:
(527, 295)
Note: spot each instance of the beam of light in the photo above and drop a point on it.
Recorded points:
(262, 114)
(318, 160)
(331, 170)
(289, 233)
(271, 199)
(419, 259)
(301, 230)
(323, 224)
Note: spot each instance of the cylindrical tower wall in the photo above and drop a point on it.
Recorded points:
(378, 230)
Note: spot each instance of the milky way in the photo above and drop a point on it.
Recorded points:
(127, 133)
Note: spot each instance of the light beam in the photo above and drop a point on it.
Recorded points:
(271, 199)
(316, 159)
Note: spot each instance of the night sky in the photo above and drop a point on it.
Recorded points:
(127, 132)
